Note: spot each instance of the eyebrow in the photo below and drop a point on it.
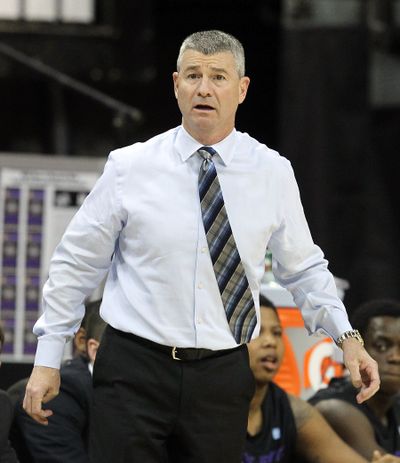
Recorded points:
(196, 68)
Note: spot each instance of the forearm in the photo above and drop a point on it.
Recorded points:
(77, 267)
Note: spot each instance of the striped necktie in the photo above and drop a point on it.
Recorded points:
(229, 272)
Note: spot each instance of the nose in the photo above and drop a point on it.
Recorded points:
(267, 340)
(394, 355)
(203, 89)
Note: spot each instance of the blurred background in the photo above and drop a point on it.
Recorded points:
(81, 77)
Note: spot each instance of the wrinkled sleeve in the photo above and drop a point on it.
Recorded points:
(299, 265)
(78, 265)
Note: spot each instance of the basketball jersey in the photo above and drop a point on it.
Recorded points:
(276, 442)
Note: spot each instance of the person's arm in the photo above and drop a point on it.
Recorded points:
(299, 266)
(78, 265)
(316, 440)
(351, 425)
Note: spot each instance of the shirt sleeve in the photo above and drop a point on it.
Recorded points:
(300, 266)
(79, 264)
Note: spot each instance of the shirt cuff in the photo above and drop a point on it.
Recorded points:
(335, 323)
(49, 351)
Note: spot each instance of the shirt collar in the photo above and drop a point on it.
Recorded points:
(186, 146)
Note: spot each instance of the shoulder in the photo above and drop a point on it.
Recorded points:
(337, 400)
(128, 153)
(75, 378)
(277, 394)
(342, 414)
(263, 155)
(302, 411)
(338, 388)
(281, 401)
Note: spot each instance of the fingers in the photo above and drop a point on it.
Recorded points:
(43, 386)
(355, 375)
(370, 382)
(376, 456)
(32, 404)
(367, 392)
(363, 369)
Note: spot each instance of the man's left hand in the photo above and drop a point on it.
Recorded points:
(362, 367)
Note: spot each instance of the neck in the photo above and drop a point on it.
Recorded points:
(206, 137)
(258, 397)
(255, 418)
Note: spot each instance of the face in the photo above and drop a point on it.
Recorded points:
(209, 90)
(382, 341)
(266, 351)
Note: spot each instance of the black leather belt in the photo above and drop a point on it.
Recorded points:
(177, 353)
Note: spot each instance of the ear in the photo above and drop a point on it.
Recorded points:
(91, 347)
(80, 341)
(175, 77)
(243, 87)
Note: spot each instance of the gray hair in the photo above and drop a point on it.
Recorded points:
(212, 42)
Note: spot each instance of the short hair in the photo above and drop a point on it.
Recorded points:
(362, 315)
(94, 325)
(265, 302)
(90, 307)
(212, 42)
(1, 338)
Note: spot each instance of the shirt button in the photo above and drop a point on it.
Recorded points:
(203, 250)
(199, 321)
(200, 285)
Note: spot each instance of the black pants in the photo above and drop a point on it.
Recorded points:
(150, 408)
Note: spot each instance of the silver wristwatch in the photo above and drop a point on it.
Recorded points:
(355, 334)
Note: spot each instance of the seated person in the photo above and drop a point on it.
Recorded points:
(7, 454)
(374, 424)
(78, 350)
(64, 439)
(282, 427)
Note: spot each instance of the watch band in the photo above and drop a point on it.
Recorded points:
(355, 334)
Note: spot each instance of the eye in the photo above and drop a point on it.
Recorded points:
(381, 345)
(192, 76)
(277, 333)
(219, 77)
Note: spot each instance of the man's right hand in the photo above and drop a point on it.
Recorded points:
(43, 385)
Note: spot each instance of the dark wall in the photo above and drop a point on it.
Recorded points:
(130, 55)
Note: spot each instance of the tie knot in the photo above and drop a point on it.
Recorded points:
(206, 152)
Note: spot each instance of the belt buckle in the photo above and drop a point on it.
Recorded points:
(173, 353)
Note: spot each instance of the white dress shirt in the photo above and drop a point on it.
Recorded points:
(142, 223)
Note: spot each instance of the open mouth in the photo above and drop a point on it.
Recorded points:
(204, 107)
(270, 362)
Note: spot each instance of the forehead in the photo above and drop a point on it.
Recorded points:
(193, 58)
(384, 325)
(269, 317)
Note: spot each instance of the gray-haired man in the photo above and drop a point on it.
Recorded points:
(181, 223)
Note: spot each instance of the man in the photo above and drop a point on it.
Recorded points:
(281, 427)
(374, 424)
(184, 269)
(65, 439)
